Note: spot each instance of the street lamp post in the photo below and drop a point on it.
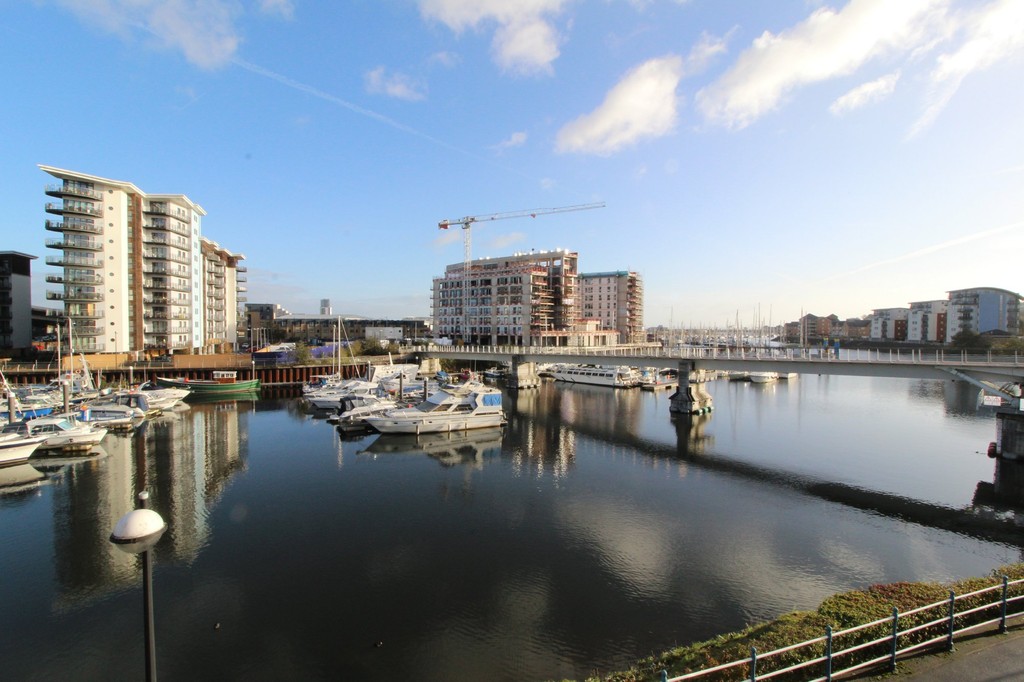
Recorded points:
(136, 533)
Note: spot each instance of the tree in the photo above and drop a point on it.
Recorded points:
(970, 342)
(303, 356)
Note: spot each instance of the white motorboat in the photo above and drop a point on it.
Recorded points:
(598, 375)
(62, 432)
(16, 448)
(111, 416)
(468, 406)
(763, 377)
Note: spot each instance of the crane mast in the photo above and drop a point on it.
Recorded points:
(466, 223)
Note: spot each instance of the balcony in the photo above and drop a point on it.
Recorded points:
(73, 189)
(72, 260)
(73, 225)
(83, 243)
(73, 207)
(73, 296)
(85, 314)
(75, 278)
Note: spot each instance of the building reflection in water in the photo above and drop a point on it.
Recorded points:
(1004, 496)
(184, 458)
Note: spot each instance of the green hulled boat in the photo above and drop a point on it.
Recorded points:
(223, 382)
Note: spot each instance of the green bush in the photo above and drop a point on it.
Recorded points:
(841, 611)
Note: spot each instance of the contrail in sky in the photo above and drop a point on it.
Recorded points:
(928, 249)
(362, 111)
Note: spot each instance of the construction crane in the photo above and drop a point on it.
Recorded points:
(467, 222)
(467, 245)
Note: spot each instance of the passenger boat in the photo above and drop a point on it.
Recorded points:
(61, 432)
(223, 381)
(468, 406)
(16, 448)
(598, 375)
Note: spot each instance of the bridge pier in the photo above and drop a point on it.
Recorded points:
(522, 374)
(691, 397)
(1009, 432)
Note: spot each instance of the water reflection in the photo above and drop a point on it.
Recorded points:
(184, 458)
(448, 449)
(20, 479)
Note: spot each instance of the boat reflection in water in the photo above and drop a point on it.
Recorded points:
(16, 479)
(449, 449)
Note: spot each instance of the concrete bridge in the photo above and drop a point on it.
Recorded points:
(996, 374)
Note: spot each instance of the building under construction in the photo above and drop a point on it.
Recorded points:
(528, 299)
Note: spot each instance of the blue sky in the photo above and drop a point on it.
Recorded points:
(754, 157)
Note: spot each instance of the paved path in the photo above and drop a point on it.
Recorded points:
(985, 658)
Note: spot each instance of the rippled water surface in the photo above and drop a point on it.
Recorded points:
(590, 531)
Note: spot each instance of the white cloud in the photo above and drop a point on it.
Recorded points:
(992, 34)
(525, 42)
(517, 139)
(864, 94)
(826, 45)
(380, 81)
(507, 240)
(701, 54)
(283, 8)
(202, 30)
(642, 105)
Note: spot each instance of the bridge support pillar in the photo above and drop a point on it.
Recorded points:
(523, 374)
(1009, 433)
(691, 397)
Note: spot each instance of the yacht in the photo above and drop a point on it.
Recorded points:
(61, 432)
(472, 405)
(16, 448)
(618, 377)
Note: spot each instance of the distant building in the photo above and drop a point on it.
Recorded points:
(325, 307)
(15, 300)
(927, 321)
(134, 270)
(522, 299)
(270, 322)
(889, 324)
(616, 300)
(856, 328)
(983, 311)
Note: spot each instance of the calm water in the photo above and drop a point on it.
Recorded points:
(593, 530)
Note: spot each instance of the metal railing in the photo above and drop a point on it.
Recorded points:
(876, 645)
(639, 352)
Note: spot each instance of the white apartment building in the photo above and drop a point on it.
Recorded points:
(928, 321)
(889, 324)
(982, 310)
(616, 301)
(135, 272)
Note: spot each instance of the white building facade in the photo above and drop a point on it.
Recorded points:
(616, 301)
(889, 324)
(927, 321)
(135, 272)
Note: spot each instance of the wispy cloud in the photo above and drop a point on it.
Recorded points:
(826, 45)
(380, 81)
(641, 105)
(525, 40)
(959, 241)
(282, 8)
(204, 32)
(517, 139)
(865, 94)
(993, 33)
(506, 240)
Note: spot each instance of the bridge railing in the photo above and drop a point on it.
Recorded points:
(891, 356)
(877, 645)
